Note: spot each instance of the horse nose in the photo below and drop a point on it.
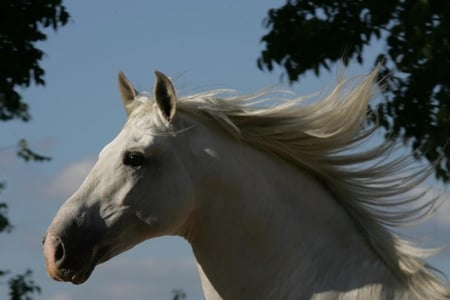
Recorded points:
(54, 253)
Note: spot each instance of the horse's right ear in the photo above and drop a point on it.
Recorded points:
(127, 92)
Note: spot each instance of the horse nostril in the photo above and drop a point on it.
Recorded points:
(59, 252)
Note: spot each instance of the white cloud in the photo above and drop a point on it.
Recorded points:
(61, 296)
(69, 179)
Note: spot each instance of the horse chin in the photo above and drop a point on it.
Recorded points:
(81, 277)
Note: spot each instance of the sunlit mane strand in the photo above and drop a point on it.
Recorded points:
(322, 137)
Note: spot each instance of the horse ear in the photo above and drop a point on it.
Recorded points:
(165, 97)
(127, 92)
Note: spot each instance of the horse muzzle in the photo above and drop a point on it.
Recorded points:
(60, 265)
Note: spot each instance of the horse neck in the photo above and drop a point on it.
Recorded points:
(263, 229)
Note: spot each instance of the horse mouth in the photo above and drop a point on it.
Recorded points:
(80, 274)
(68, 275)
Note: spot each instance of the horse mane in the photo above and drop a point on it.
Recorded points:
(324, 138)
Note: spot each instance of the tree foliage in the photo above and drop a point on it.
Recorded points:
(5, 225)
(21, 27)
(178, 294)
(21, 24)
(415, 62)
(22, 286)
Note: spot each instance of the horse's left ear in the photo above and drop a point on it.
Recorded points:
(165, 97)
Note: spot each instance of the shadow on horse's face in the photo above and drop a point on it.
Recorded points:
(139, 188)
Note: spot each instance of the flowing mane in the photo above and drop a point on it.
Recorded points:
(376, 191)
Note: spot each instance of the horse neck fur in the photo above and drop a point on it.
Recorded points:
(253, 239)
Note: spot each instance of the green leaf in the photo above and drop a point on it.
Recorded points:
(27, 154)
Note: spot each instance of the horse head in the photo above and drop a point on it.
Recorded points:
(139, 188)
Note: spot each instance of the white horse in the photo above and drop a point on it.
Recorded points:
(274, 199)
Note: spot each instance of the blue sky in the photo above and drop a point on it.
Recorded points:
(201, 45)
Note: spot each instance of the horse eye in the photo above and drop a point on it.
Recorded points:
(133, 159)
